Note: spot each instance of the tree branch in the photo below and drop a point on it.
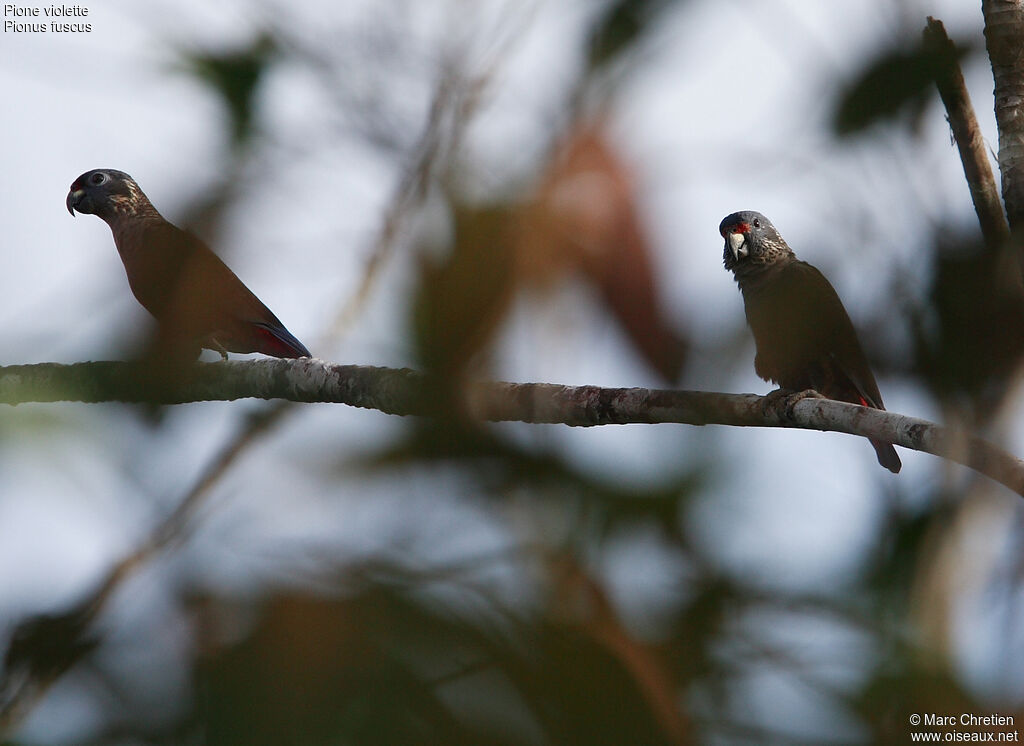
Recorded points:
(408, 392)
(1004, 39)
(969, 140)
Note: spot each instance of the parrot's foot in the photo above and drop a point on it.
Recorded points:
(219, 348)
(782, 401)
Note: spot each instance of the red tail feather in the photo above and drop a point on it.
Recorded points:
(280, 345)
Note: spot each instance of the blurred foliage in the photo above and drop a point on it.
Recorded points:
(400, 653)
(970, 334)
(899, 547)
(581, 223)
(387, 664)
(48, 644)
(908, 684)
(585, 217)
(622, 24)
(234, 78)
(502, 467)
(462, 298)
(898, 81)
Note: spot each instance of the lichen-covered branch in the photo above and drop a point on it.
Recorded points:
(408, 392)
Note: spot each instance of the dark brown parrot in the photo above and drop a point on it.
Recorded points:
(197, 301)
(805, 339)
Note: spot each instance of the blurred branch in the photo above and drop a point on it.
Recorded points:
(455, 101)
(408, 392)
(44, 647)
(969, 140)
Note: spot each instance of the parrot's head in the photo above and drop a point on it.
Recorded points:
(751, 239)
(104, 192)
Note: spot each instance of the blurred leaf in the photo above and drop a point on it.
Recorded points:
(701, 622)
(586, 216)
(47, 645)
(583, 218)
(907, 682)
(461, 300)
(578, 597)
(323, 671)
(895, 81)
(235, 77)
(619, 28)
(900, 546)
(973, 341)
(385, 665)
(584, 694)
(501, 466)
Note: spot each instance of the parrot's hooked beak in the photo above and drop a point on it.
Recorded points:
(74, 200)
(737, 243)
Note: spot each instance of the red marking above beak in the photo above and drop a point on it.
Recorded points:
(737, 228)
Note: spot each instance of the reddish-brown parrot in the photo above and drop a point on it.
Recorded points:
(197, 301)
(805, 339)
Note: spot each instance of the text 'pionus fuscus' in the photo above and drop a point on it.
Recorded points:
(805, 339)
(197, 301)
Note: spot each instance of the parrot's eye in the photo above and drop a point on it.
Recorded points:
(97, 179)
(757, 223)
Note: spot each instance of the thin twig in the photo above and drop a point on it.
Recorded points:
(454, 103)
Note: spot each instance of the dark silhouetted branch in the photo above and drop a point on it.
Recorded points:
(1004, 39)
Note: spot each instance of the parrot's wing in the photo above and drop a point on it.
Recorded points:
(805, 337)
(868, 390)
(837, 335)
(218, 288)
(187, 286)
